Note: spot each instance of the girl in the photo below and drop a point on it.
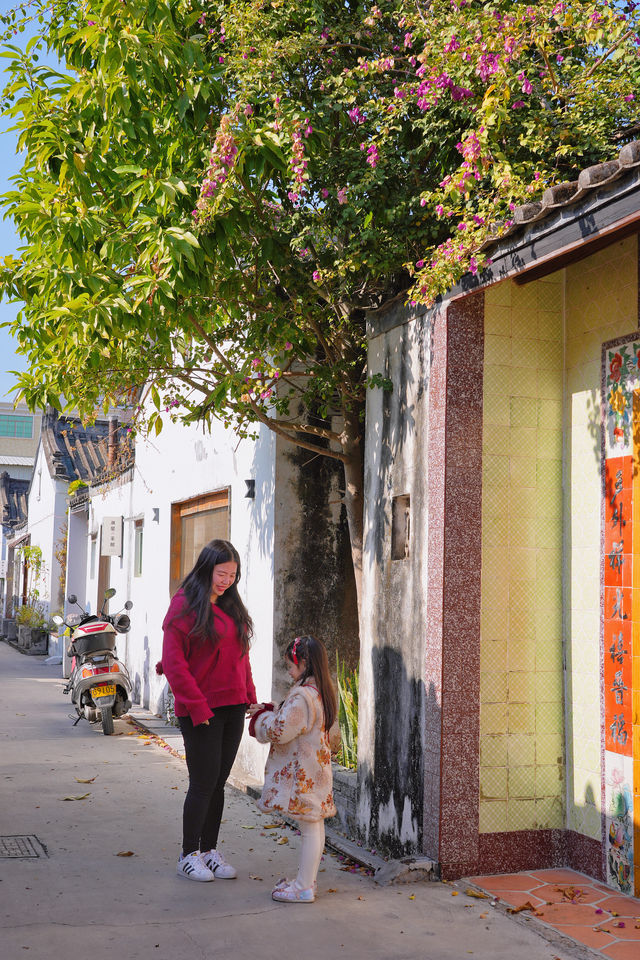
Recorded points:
(205, 657)
(298, 778)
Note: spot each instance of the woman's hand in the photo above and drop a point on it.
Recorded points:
(254, 708)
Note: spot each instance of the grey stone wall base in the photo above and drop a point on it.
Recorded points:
(36, 650)
(385, 872)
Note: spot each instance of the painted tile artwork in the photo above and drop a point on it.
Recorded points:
(621, 543)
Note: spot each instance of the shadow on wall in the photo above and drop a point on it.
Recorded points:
(141, 683)
(390, 792)
(261, 529)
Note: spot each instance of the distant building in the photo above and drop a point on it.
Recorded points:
(19, 438)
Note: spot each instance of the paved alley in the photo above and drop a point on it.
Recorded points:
(88, 799)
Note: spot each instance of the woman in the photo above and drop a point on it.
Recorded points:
(205, 658)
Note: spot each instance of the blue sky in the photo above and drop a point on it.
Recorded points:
(9, 165)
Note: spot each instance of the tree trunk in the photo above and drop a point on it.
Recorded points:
(354, 494)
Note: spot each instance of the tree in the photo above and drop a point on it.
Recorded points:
(215, 196)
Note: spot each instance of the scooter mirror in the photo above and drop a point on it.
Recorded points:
(128, 605)
(57, 619)
(109, 592)
(72, 598)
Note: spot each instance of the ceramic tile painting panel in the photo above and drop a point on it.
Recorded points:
(620, 606)
(521, 722)
(600, 305)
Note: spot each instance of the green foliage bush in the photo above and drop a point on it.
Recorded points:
(348, 686)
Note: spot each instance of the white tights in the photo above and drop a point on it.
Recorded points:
(312, 833)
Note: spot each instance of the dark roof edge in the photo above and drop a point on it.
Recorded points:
(573, 226)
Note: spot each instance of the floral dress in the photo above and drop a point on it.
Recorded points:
(298, 780)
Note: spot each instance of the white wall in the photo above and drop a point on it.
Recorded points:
(47, 510)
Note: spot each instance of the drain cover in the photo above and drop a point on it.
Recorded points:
(21, 848)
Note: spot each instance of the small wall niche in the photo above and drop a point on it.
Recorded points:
(400, 527)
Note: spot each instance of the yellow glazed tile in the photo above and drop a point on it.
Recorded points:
(495, 410)
(493, 655)
(493, 718)
(549, 814)
(548, 687)
(522, 471)
(493, 751)
(495, 470)
(548, 718)
(521, 814)
(524, 353)
(521, 653)
(524, 412)
(550, 414)
(522, 564)
(549, 781)
(521, 687)
(521, 782)
(493, 783)
(549, 748)
(521, 750)
(497, 350)
(498, 295)
(522, 442)
(521, 718)
(493, 687)
(549, 384)
(523, 382)
(493, 816)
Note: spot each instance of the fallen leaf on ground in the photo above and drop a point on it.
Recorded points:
(412, 897)
(272, 826)
(283, 840)
(476, 893)
(332, 890)
(254, 878)
(454, 893)
(525, 906)
(360, 898)
(246, 826)
(125, 853)
(78, 780)
(82, 797)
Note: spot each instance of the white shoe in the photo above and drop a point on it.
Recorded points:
(193, 868)
(218, 865)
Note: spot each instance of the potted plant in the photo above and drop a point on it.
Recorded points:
(33, 628)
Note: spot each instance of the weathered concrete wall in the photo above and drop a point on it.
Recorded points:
(314, 587)
(392, 700)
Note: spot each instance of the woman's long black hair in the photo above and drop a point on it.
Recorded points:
(314, 654)
(197, 590)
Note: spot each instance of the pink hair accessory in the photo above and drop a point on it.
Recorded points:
(294, 655)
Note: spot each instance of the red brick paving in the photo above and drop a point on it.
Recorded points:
(574, 905)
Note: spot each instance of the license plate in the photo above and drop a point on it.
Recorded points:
(106, 690)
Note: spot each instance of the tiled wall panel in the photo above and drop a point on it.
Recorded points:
(521, 723)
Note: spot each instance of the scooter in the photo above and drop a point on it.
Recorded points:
(99, 683)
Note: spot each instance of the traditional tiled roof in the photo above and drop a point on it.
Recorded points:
(13, 500)
(76, 452)
(564, 195)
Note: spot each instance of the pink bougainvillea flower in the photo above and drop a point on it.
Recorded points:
(342, 195)
(316, 276)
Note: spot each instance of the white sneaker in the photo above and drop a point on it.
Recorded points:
(218, 865)
(193, 868)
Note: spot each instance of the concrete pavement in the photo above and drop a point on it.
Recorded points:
(82, 899)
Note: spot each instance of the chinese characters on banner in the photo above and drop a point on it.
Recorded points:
(618, 585)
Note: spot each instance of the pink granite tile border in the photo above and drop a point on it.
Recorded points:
(462, 560)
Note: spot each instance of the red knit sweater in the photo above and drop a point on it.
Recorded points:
(203, 676)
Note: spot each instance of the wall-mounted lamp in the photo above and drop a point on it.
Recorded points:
(251, 490)
(156, 514)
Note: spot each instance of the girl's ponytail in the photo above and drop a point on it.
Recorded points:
(314, 653)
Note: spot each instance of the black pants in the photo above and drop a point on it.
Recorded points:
(210, 752)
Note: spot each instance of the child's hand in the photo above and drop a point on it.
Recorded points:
(254, 708)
